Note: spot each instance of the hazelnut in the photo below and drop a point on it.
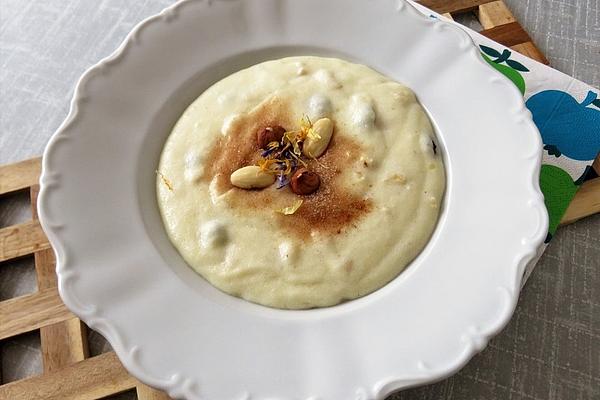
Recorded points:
(304, 182)
(268, 135)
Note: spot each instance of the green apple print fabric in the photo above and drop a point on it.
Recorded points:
(504, 63)
(570, 128)
(570, 131)
(567, 113)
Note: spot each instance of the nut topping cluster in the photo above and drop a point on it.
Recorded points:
(284, 155)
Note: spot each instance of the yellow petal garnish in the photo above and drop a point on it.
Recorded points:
(306, 129)
(292, 138)
(313, 135)
(397, 178)
(297, 150)
(164, 180)
(291, 209)
(267, 164)
(305, 122)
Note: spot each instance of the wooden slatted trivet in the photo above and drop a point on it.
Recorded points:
(498, 23)
(69, 372)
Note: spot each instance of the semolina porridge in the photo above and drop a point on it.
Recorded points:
(301, 182)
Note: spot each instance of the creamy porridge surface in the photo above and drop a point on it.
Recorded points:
(381, 183)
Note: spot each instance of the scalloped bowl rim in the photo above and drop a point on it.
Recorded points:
(177, 384)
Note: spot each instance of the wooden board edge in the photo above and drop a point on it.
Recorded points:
(30, 312)
(585, 203)
(453, 6)
(19, 176)
(93, 378)
(21, 240)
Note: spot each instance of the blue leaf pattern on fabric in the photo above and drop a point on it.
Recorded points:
(567, 126)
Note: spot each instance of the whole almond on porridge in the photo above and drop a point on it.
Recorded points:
(316, 144)
(252, 177)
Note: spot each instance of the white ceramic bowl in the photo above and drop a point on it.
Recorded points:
(118, 271)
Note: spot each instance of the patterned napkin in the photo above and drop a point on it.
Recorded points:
(567, 113)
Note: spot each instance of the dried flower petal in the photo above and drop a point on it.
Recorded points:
(282, 181)
(288, 167)
(291, 209)
(306, 129)
(164, 180)
(268, 165)
(271, 148)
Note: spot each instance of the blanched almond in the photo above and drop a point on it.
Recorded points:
(252, 177)
(315, 146)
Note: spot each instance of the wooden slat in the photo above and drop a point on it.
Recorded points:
(33, 311)
(93, 378)
(449, 16)
(596, 165)
(498, 22)
(14, 177)
(508, 34)
(494, 14)
(585, 203)
(21, 240)
(147, 393)
(528, 49)
(63, 344)
(453, 6)
(45, 269)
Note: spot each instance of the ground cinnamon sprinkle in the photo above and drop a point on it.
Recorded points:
(239, 148)
(332, 209)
